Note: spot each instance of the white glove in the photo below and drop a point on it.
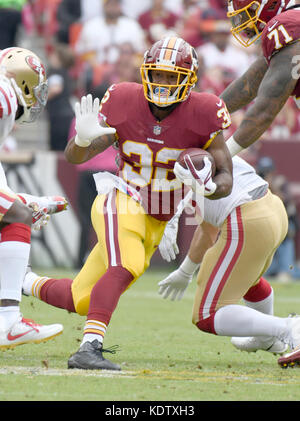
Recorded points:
(87, 123)
(39, 217)
(200, 181)
(175, 284)
(168, 246)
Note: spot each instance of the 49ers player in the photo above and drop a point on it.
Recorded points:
(272, 78)
(23, 94)
(232, 264)
(152, 123)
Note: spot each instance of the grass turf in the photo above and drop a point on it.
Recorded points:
(162, 355)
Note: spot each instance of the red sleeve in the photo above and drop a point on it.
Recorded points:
(210, 116)
(115, 103)
(279, 32)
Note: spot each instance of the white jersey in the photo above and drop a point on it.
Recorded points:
(8, 108)
(245, 181)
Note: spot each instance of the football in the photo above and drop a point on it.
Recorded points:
(197, 155)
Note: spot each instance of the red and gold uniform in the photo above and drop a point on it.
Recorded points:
(128, 231)
(148, 148)
(282, 30)
(132, 208)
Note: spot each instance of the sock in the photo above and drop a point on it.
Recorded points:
(93, 329)
(261, 297)
(104, 299)
(56, 292)
(8, 316)
(14, 256)
(237, 320)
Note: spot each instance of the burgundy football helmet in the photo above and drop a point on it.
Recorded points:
(249, 17)
(172, 55)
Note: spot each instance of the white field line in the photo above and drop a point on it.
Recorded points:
(202, 377)
(38, 371)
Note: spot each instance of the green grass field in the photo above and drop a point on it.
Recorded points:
(162, 355)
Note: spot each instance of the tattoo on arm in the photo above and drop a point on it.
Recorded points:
(274, 91)
(243, 90)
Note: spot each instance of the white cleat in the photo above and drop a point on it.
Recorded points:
(292, 358)
(254, 343)
(26, 331)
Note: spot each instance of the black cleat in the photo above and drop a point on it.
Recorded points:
(89, 357)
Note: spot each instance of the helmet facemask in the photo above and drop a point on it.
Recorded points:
(164, 95)
(246, 24)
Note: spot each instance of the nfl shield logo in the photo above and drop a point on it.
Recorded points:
(157, 130)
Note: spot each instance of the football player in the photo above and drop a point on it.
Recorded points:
(232, 263)
(274, 76)
(23, 94)
(152, 123)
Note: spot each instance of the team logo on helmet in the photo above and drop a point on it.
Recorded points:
(35, 64)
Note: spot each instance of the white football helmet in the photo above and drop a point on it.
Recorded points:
(27, 75)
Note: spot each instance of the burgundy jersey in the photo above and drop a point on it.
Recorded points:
(280, 31)
(149, 148)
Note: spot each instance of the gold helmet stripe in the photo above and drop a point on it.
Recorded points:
(169, 49)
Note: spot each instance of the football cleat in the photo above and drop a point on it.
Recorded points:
(26, 331)
(254, 343)
(89, 357)
(292, 358)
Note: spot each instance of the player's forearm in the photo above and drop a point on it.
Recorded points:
(223, 181)
(204, 237)
(77, 155)
(256, 121)
(244, 89)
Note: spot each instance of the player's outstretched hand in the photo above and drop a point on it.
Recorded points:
(175, 284)
(39, 217)
(87, 121)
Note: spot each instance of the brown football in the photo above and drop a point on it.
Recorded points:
(197, 155)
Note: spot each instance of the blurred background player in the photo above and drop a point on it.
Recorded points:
(273, 77)
(161, 118)
(232, 263)
(23, 94)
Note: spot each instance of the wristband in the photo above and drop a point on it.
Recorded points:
(188, 266)
(233, 146)
(82, 143)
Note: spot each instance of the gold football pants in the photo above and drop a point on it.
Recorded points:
(243, 252)
(127, 237)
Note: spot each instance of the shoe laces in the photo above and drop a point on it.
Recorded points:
(31, 323)
(112, 349)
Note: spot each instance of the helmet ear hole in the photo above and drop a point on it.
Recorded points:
(26, 90)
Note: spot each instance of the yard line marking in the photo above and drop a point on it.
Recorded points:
(199, 376)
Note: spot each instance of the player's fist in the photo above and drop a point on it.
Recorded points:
(87, 122)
